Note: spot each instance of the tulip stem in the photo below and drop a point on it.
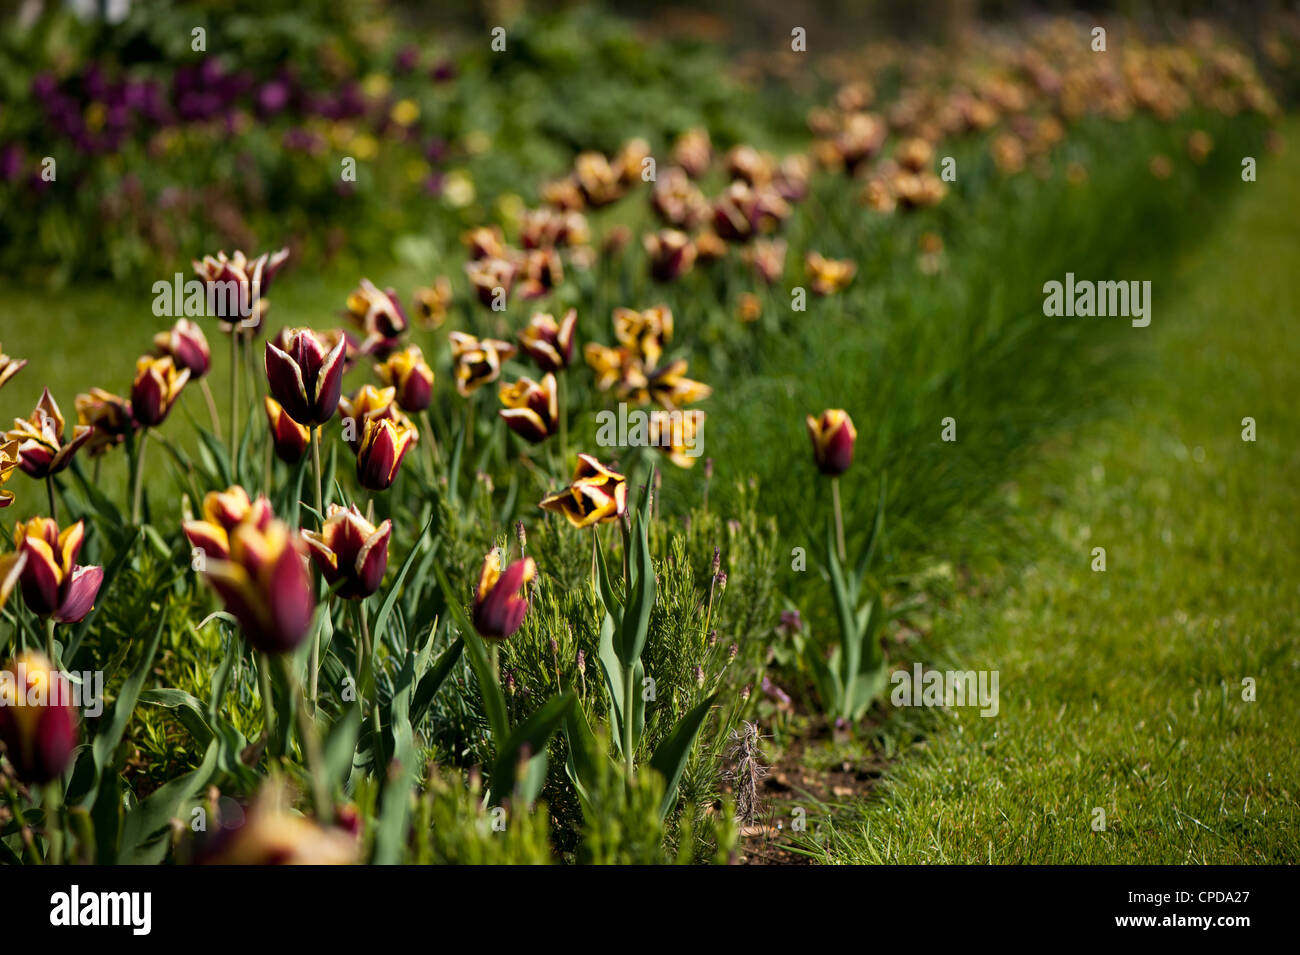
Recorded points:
(49, 491)
(49, 638)
(137, 480)
(310, 746)
(53, 806)
(234, 400)
(629, 694)
(212, 407)
(268, 703)
(315, 463)
(839, 519)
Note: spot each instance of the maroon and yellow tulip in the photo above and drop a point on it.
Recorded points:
(477, 361)
(288, 436)
(368, 404)
(38, 722)
(11, 568)
(550, 343)
(596, 495)
(158, 383)
(109, 415)
(828, 276)
(9, 461)
(306, 376)
(671, 253)
(532, 408)
(668, 386)
(489, 275)
(409, 374)
(644, 333)
(223, 511)
(432, 302)
(833, 436)
(9, 367)
(499, 600)
(53, 583)
(251, 280)
(187, 346)
(383, 445)
(271, 833)
(379, 315)
(40, 437)
(350, 552)
(264, 583)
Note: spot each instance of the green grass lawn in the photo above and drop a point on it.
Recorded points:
(1123, 690)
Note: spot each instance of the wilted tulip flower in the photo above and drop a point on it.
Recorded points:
(383, 445)
(672, 254)
(264, 583)
(109, 415)
(38, 721)
(223, 511)
(829, 276)
(408, 373)
(53, 583)
(9, 460)
(548, 343)
(499, 604)
(9, 367)
(596, 495)
(187, 346)
(532, 409)
(379, 315)
(350, 551)
(306, 377)
(158, 383)
(289, 438)
(832, 436)
(477, 361)
(40, 439)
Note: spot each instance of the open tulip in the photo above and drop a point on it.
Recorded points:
(550, 343)
(41, 450)
(38, 722)
(350, 551)
(53, 583)
(9, 367)
(11, 568)
(829, 275)
(432, 302)
(408, 373)
(306, 377)
(288, 436)
(531, 409)
(492, 279)
(477, 361)
(9, 459)
(379, 315)
(368, 404)
(244, 283)
(668, 386)
(832, 436)
(264, 583)
(499, 603)
(187, 346)
(645, 332)
(595, 495)
(109, 415)
(223, 511)
(383, 445)
(158, 383)
(671, 252)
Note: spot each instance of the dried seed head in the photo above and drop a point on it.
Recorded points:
(582, 662)
(717, 561)
(521, 535)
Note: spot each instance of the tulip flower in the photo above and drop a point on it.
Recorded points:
(610, 365)
(492, 279)
(477, 361)
(668, 386)
(110, 417)
(264, 583)
(383, 445)
(829, 275)
(499, 601)
(677, 434)
(223, 511)
(350, 551)
(645, 333)
(246, 282)
(9, 367)
(271, 834)
(158, 383)
(598, 180)
(832, 436)
(289, 438)
(596, 495)
(187, 346)
(767, 258)
(306, 377)
(11, 568)
(432, 303)
(485, 242)
(9, 461)
(548, 343)
(53, 583)
(531, 409)
(693, 151)
(412, 378)
(672, 254)
(379, 315)
(41, 449)
(38, 722)
(368, 404)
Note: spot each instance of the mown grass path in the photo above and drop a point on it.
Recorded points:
(1123, 690)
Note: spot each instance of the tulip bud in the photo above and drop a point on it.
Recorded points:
(531, 409)
(548, 343)
(832, 436)
(158, 383)
(350, 550)
(187, 346)
(288, 436)
(411, 378)
(305, 377)
(671, 253)
(499, 604)
(38, 723)
(383, 446)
